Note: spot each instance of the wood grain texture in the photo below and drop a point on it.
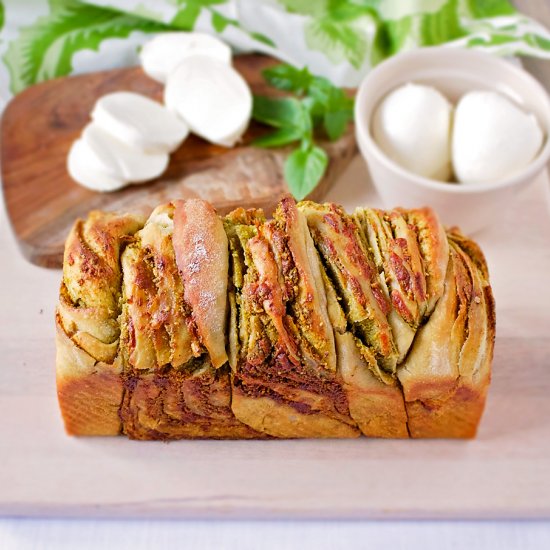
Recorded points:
(504, 473)
(40, 124)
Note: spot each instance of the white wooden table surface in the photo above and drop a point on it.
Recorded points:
(509, 449)
(504, 473)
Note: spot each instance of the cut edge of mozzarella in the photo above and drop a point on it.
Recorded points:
(235, 137)
(161, 55)
(211, 97)
(140, 122)
(84, 168)
(120, 160)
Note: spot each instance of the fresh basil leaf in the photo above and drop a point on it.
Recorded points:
(288, 78)
(287, 112)
(337, 107)
(321, 83)
(278, 112)
(303, 170)
(323, 105)
(332, 97)
(335, 124)
(306, 122)
(279, 138)
(315, 108)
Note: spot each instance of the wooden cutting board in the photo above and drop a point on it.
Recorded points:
(40, 124)
(504, 473)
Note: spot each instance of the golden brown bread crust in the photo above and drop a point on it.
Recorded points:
(310, 305)
(88, 363)
(446, 376)
(201, 250)
(351, 269)
(89, 391)
(91, 269)
(284, 383)
(171, 316)
(171, 336)
(434, 249)
(377, 407)
(320, 324)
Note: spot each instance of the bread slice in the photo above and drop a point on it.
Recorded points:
(88, 364)
(376, 406)
(174, 384)
(284, 382)
(351, 270)
(447, 372)
(361, 314)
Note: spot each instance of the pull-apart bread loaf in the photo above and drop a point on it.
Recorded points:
(315, 323)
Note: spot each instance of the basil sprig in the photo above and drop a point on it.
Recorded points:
(318, 106)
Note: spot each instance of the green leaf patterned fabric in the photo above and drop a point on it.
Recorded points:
(338, 39)
(45, 49)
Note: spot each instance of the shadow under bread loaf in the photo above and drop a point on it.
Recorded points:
(315, 323)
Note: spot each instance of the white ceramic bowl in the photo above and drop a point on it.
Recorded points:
(453, 72)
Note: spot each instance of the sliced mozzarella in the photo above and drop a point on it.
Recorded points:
(120, 160)
(86, 169)
(140, 122)
(160, 56)
(211, 97)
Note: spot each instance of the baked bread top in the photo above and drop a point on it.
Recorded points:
(338, 320)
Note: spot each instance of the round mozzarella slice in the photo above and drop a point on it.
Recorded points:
(140, 122)
(85, 168)
(120, 160)
(160, 56)
(211, 97)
